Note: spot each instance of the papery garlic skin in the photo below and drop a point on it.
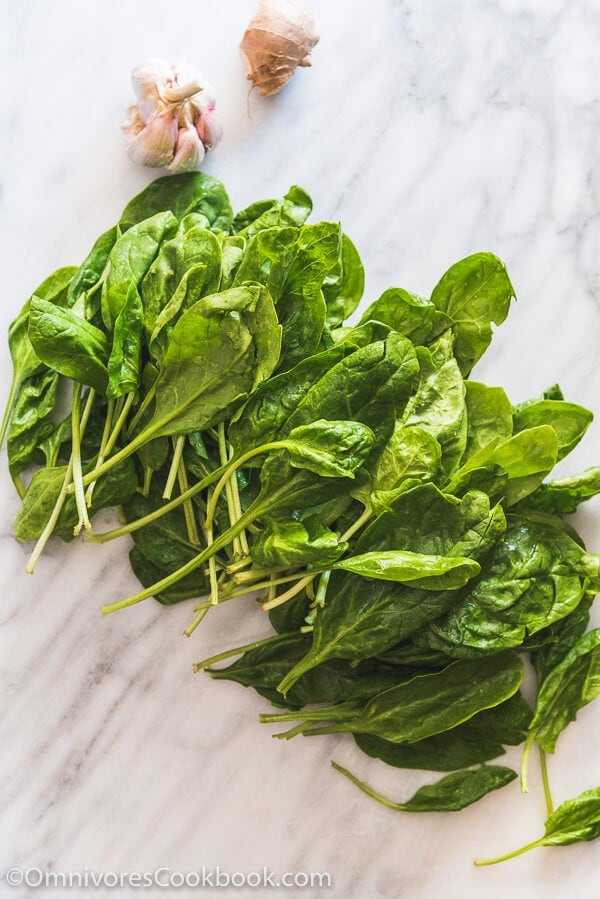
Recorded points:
(174, 121)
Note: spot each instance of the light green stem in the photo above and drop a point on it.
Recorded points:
(224, 460)
(82, 510)
(546, 782)
(289, 594)
(178, 445)
(19, 486)
(239, 650)
(157, 513)
(504, 858)
(306, 581)
(144, 405)
(148, 474)
(121, 418)
(62, 496)
(525, 762)
(231, 468)
(397, 806)
(221, 542)
(192, 627)
(188, 506)
(103, 444)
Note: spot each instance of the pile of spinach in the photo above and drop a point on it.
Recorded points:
(392, 515)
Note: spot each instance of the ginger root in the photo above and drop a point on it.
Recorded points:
(278, 39)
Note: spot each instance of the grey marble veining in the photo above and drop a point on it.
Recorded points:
(431, 131)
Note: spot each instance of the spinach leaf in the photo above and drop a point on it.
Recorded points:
(575, 821)
(193, 255)
(293, 209)
(125, 357)
(31, 421)
(287, 543)
(344, 284)
(25, 361)
(569, 420)
(513, 469)
(358, 623)
(563, 495)
(404, 312)
(479, 739)
(428, 704)
(531, 581)
(559, 638)
(489, 416)
(371, 385)
(410, 453)
(438, 405)
(111, 490)
(266, 412)
(335, 681)
(329, 448)
(89, 276)
(181, 195)
(569, 686)
(129, 260)
(69, 344)
(148, 572)
(450, 794)
(473, 294)
(220, 349)
(406, 567)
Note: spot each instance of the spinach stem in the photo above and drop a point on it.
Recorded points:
(188, 507)
(503, 858)
(103, 443)
(221, 542)
(525, 762)
(546, 782)
(62, 496)
(271, 582)
(157, 513)
(82, 509)
(144, 405)
(192, 627)
(239, 565)
(15, 386)
(148, 474)
(397, 806)
(121, 417)
(306, 581)
(231, 468)
(212, 565)
(224, 460)
(254, 574)
(19, 486)
(322, 588)
(239, 650)
(289, 594)
(357, 525)
(178, 444)
(245, 549)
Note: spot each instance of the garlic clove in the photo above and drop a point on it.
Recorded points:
(155, 144)
(206, 99)
(209, 128)
(134, 123)
(189, 151)
(151, 74)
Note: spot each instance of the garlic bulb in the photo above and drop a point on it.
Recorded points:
(174, 121)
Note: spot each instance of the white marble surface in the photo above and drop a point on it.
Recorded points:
(430, 130)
